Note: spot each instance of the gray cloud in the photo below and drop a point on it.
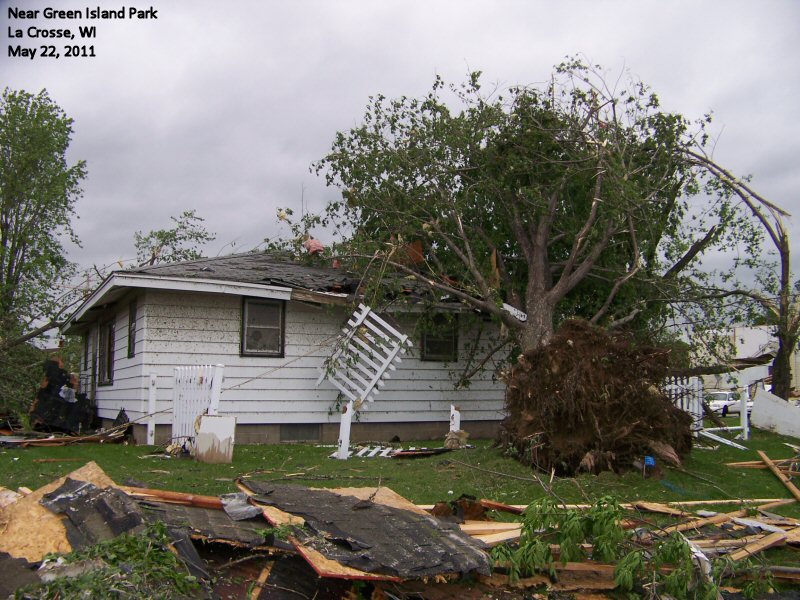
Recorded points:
(221, 107)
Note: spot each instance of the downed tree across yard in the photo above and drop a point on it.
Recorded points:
(592, 401)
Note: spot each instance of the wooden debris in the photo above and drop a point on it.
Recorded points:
(657, 507)
(777, 472)
(767, 541)
(28, 530)
(484, 527)
(697, 523)
(8, 497)
(262, 579)
(500, 537)
(174, 497)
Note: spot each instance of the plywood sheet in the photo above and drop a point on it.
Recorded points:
(8, 497)
(28, 530)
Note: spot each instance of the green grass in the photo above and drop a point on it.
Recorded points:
(482, 471)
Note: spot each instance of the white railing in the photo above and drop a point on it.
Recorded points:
(364, 356)
(687, 394)
(195, 391)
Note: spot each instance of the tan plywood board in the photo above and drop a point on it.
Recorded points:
(30, 531)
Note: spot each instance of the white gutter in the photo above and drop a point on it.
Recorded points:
(212, 286)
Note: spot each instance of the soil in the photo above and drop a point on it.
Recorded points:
(591, 401)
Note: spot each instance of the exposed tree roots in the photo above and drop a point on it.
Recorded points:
(592, 401)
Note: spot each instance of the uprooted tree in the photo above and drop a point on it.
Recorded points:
(541, 204)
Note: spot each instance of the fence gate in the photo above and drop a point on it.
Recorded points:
(195, 390)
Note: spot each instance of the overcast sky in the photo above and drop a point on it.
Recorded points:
(221, 106)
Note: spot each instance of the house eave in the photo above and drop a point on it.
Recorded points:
(119, 283)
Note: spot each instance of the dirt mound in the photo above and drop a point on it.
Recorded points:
(591, 401)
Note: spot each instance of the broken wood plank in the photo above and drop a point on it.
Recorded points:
(697, 523)
(174, 497)
(486, 527)
(758, 464)
(495, 539)
(725, 543)
(767, 541)
(657, 507)
(777, 472)
(262, 579)
(777, 503)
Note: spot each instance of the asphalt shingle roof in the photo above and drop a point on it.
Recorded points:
(268, 269)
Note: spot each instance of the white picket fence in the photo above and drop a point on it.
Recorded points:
(195, 391)
(687, 394)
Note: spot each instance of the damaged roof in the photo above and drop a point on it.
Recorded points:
(262, 268)
(253, 274)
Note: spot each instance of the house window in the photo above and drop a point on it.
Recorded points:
(132, 329)
(105, 354)
(262, 327)
(440, 339)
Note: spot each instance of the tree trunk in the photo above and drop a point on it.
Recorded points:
(782, 368)
(787, 339)
(538, 328)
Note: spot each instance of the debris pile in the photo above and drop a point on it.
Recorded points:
(283, 541)
(59, 405)
(355, 534)
(591, 401)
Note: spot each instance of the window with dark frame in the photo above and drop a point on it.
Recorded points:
(105, 354)
(263, 327)
(132, 329)
(440, 339)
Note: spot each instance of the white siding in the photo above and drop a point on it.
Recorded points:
(193, 328)
(129, 388)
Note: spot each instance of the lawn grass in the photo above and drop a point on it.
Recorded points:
(483, 471)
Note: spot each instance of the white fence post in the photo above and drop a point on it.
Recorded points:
(455, 418)
(151, 410)
(344, 432)
(216, 390)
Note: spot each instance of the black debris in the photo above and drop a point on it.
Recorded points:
(374, 537)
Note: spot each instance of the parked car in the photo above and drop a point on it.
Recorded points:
(726, 402)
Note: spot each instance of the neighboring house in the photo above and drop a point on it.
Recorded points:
(271, 322)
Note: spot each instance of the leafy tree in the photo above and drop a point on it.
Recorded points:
(181, 242)
(38, 191)
(572, 199)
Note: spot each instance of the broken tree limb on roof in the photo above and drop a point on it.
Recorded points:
(374, 537)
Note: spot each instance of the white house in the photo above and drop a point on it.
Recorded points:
(271, 322)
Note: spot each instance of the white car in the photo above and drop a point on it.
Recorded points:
(726, 402)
